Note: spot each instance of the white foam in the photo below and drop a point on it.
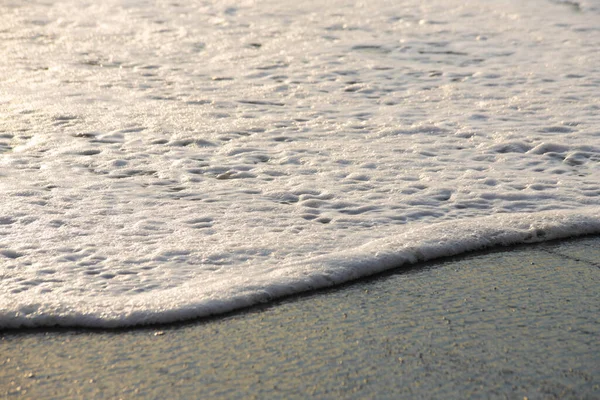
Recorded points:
(172, 161)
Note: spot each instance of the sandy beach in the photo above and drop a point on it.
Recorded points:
(508, 323)
(243, 165)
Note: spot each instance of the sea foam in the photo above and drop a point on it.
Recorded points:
(171, 161)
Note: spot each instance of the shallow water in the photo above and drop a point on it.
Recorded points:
(169, 160)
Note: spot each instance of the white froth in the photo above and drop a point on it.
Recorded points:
(175, 160)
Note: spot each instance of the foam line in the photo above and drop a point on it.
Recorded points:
(200, 299)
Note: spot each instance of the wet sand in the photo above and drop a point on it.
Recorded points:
(507, 323)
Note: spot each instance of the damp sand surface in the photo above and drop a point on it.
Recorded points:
(508, 323)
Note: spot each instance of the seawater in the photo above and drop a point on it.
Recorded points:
(166, 160)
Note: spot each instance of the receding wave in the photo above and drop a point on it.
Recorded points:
(171, 161)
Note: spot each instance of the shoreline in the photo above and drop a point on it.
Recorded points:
(405, 268)
(437, 329)
(197, 298)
